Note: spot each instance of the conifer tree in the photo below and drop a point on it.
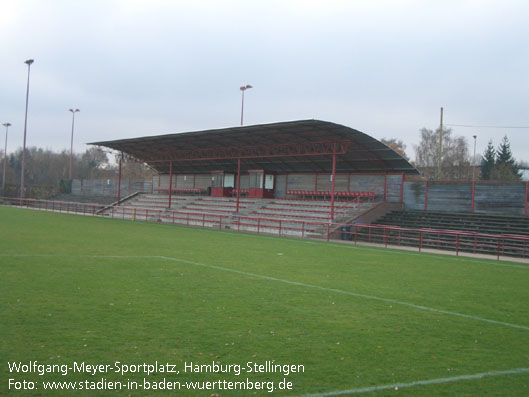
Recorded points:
(488, 161)
(506, 167)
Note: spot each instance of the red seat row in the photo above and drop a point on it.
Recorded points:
(180, 189)
(367, 195)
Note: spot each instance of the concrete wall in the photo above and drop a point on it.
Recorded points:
(489, 197)
(108, 187)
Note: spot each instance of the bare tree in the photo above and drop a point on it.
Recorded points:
(455, 160)
(397, 145)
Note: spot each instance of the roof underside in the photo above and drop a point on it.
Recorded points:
(287, 147)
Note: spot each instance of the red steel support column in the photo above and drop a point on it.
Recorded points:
(333, 181)
(402, 189)
(385, 185)
(526, 191)
(426, 195)
(170, 183)
(119, 176)
(238, 183)
(473, 194)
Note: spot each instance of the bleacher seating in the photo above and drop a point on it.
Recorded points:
(296, 217)
(478, 237)
(278, 216)
(479, 223)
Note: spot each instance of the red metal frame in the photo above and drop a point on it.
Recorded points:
(333, 182)
(526, 192)
(385, 186)
(426, 195)
(119, 177)
(248, 152)
(473, 195)
(170, 183)
(402, 188)
(238, 183)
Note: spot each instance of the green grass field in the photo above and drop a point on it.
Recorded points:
(77, 290)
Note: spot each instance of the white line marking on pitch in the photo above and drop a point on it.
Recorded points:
(372, 297)
(420, 383)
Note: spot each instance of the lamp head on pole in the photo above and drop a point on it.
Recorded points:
(244, 88)
(29, 62)
(73, 111)
(7, 125)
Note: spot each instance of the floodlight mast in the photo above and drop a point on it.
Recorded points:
(243, 88)
(28, 62)
(7, 125)
(71, 140)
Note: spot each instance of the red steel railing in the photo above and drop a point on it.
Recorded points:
(57, 206)
(451, 240)
(439, 239)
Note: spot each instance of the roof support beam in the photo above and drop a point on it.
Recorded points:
(119, 176)
(333, 183)
(252, 152)
(238, 183)
(170, 183)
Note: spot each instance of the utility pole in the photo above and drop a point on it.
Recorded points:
(439, 161)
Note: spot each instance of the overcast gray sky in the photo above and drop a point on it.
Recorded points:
(140, 68)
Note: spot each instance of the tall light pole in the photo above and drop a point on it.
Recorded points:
(440, 159)
(7, 125)
(474, 159)
(71, 140)
(28, 62)
(243, 88)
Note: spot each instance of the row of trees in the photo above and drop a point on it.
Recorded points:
(456, 161)
(43, 167)
(499, 164)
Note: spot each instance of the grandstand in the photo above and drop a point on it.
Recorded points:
(314, 179)
(294, 217)
(294, 178)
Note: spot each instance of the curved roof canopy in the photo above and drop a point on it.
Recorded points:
(287, 147)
